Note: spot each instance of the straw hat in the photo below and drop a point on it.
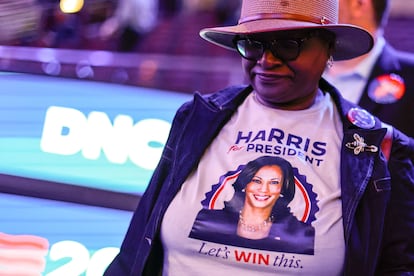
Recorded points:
(259, 16)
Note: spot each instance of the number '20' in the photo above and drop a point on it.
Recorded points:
(80, 259)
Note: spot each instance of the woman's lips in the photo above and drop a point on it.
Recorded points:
(270, 77)
(261, 197)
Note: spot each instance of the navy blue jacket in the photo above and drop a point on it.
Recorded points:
(400, 114)
(377, 202)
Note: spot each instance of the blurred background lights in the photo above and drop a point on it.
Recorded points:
(52, 67)
(84, 70)
(71, 6)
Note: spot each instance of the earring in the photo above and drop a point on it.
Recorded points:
(330, 62)
(243, 190)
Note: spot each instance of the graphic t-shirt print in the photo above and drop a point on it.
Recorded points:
(256, 214)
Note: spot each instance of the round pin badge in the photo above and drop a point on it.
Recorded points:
(386, 89)
(361, 118)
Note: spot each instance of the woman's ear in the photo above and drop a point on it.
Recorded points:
(331, 47)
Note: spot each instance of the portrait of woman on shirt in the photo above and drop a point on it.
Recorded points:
(258, 215)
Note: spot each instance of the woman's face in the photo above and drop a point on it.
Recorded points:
(265, 187)
(289, 85)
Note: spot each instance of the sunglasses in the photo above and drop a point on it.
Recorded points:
(287, 49)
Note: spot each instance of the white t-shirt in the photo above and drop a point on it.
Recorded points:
(310, 140)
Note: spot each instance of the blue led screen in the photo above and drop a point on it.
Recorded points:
(100, 135)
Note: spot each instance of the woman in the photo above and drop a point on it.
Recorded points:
(263, 181)
(258, 215)
(362, 211)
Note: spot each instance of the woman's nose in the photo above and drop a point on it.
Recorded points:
(264, 187)
(268, 59)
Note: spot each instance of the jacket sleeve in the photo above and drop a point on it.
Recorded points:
(397, 257)
(125, 262)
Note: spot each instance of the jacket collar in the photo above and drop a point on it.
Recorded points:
(212, 112)
(387, 61)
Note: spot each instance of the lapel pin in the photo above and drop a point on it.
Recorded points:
(361, 118)
(359, 145)
(386, 89)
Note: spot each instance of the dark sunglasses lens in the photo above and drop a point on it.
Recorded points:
(285, 49)
(250, 49)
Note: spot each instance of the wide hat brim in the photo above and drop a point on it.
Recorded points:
(351, 41)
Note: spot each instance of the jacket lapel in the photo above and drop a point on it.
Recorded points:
(356, 163)
(356, 168)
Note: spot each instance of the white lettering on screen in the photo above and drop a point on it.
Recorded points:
(79, 259)
(67, 131)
